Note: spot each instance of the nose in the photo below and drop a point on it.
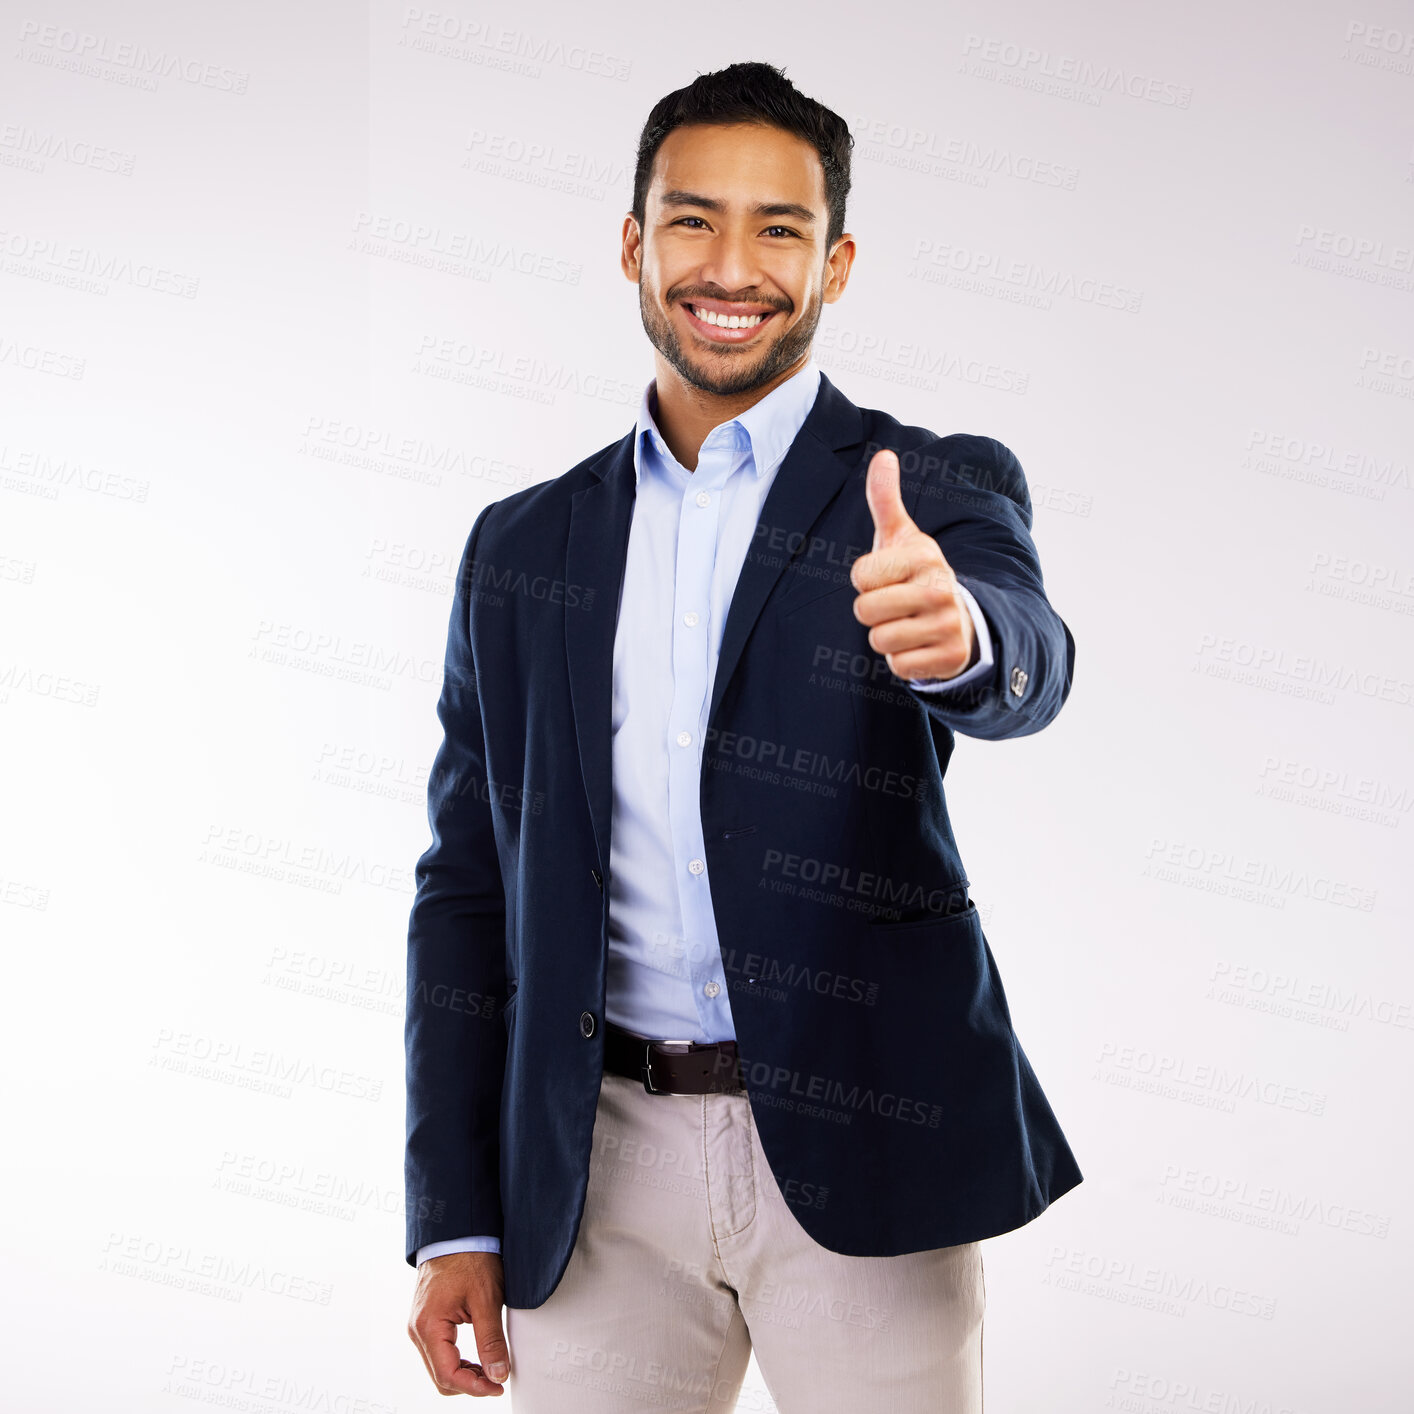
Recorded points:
(731, 263)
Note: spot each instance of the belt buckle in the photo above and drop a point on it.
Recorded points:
(648, 1063)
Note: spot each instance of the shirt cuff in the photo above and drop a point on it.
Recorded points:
(984, 650)
(458, 1244)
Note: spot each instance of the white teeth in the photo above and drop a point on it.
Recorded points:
(727, 321)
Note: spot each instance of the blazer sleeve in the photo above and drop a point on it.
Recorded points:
(454, 1037)
(970, 494)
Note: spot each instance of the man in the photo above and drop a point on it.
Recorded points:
(707, 1051)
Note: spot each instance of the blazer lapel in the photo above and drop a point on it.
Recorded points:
(809, 477)
(807, 481)
(597, 548)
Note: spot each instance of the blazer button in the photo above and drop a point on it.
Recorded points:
(586, 1023)
(1018, 681)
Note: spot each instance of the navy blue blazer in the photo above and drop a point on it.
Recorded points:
(896, 1107)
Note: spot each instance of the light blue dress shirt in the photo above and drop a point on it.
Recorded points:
(687, 542)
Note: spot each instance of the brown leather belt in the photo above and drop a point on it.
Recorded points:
(673, 1067)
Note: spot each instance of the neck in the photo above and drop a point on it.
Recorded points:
(685, 414)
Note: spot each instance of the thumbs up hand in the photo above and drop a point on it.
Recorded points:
(907, 590)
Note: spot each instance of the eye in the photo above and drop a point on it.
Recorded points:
(785, 230)
(681, 219)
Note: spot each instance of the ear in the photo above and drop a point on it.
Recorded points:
(838, 264)
(631, 255)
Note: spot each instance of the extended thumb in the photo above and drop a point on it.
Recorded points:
(881, 490)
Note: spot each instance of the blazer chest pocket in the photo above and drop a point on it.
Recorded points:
(817, 592)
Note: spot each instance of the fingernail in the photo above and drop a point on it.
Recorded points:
(497, 1372)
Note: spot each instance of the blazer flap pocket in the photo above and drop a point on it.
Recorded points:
(950, 920)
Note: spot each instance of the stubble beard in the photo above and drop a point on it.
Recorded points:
(743, 369)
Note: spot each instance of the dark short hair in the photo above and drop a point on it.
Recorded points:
(752, 93)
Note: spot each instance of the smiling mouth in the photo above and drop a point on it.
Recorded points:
(722, 326)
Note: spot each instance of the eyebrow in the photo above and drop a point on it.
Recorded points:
(678, 197)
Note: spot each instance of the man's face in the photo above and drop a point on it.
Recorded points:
(734, 234)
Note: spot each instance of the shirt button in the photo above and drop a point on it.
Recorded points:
(703, 499)
(695, 866)
(684, 738)
(712, 988)
(690, 619)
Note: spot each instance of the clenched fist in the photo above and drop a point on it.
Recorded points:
(907, 590)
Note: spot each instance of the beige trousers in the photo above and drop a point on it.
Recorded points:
(688, 1258)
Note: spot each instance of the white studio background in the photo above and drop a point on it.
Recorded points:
(288, 293)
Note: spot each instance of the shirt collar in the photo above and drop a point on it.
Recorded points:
(771, 424)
